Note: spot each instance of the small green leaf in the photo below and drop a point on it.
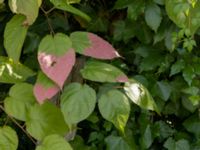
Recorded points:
(164, 90)
(116, 143)
(140, 95)
(102, 72)
(147, 138)
(120, 4)
(64, 5)
(153, 16)
(46, 119)
(20, 100)
(28, 8)
(114, 107)
(54, 142)
(8, 138)
(170, 144)
(189, 74)
(135, 9)
(77, 102)
(177, 67)
(14, 36)
(13, 72)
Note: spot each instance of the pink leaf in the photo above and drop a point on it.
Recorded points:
(122, 78)
(100, 48)
(42, 93)
(57, 68)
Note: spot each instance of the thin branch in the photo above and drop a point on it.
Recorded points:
(14, 121)
(48, 20)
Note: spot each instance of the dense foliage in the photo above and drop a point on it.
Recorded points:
(95, 75)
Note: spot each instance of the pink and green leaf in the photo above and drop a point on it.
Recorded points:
(44, 88)
(89, 44)
(56, 57)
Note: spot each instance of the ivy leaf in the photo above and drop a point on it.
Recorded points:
(13, 72)
(184, 14)
(8, 138)
(164, 90)
(171, 144)
(120, 4)
(135, 9)
(77, 102)
(188, 74)
(153, 16)
(56, 58)
(89, 44)
(46, 119)
(44, 88)
(54, 142)
(64, 5)
(13, 44)
(177, 67)
(102, 72)
(20, 100)
(116, 143)
(147, 138)
(114, 107)
(140, 95)
(28, 8)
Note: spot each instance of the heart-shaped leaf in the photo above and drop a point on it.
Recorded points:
(54, 142)
(56, 57)
(89, 44)
(20, 100)
(77, 102)
(114, 107)
(44, 120)
(8, 138)
(44, 88)
(102, 72)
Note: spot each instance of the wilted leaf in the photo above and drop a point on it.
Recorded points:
(102, 72)
(77, 102)
(44, 88)
(89, 44)
(56, 58)
(114, 107)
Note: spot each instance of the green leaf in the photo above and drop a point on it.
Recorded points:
(189, 74)
(153, 16)
(102, 72)
(114, 107)
(164, 90)
(171, 144)
(77, 102)
(116, 143)
(120, 4)
(20, 100)
(44, 120)
(184, 14)
(63, 5)
(177, 67)
(147, 138)
(140, 95)
(8, 138)
(13, 72)
(28, 8)
(14, 36)
(135, 9)
(54, 142)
